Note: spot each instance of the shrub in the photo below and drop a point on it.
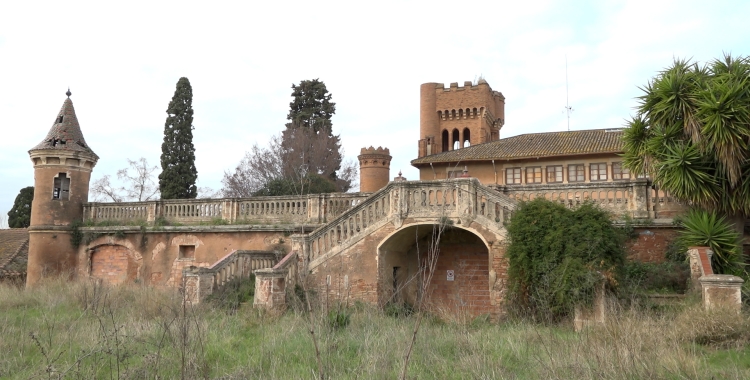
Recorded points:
(707, 229)
(558, 256)
(339, 318)
(233, 294)
(667, 277)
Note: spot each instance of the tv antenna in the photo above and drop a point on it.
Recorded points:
(568, 108)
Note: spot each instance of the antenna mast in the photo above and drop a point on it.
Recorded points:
(568, 108)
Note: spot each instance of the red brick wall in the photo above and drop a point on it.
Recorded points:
(469, 293)
(650, 244)
(113, 264)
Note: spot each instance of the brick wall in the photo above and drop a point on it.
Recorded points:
(468, 294)
(113, 264)
(650, 244)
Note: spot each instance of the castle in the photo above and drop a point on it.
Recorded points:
(363, 246)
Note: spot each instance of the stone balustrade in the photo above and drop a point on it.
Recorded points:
(199, 282)
(460, 199)
(305, 209)
(634, 198)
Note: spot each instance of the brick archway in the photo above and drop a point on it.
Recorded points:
(460, 283)
(113, 264)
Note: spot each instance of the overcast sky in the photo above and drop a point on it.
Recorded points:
(122, 61)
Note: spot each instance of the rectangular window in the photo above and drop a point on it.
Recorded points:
(534, 175)
(598, 172)
(61, 187)
(554, 174)
(575, 173)
(619, 171)
(187, 252)
(512, 176)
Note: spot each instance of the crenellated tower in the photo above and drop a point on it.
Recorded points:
(374, 169)
(62, 170)
(455, 117)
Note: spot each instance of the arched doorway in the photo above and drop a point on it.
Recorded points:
(113, 264)
(452, 280)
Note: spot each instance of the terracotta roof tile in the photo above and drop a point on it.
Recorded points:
(534, 145)
(14, 251)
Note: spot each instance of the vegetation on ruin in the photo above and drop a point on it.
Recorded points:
(19, 215)
(691, 134)
(557, 257)
(178, 176)
(81, 330)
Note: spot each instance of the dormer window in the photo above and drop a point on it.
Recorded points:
(59, 119)
(61, 187)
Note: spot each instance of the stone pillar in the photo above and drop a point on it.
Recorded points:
(589, 316)
(722, 291)
(197, 284)
(270, 289)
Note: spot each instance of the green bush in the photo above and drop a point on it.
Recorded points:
(666, 277)
(339, 318)
(558, 256)
(233, 294)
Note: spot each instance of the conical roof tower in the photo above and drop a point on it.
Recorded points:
(63, 162)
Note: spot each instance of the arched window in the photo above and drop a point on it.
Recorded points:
(456, 139)
(445, 141)
(467, 138)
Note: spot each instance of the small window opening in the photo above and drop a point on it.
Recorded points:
(467, 138)
(456, 139)
(187, 252)
(59, 119)
(61, 187)
(445, 141)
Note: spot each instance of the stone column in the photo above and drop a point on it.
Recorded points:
(722, 291)
(270, 289)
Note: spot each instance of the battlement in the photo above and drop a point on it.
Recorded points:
(481, 84)
(371, 150)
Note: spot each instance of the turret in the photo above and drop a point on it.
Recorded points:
(374, 169)
(455, 117)
(63, 162)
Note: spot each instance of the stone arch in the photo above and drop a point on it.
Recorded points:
(464, 251)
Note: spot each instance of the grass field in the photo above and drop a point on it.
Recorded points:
(83, 331)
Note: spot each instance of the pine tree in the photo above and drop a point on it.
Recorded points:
(20, 215)
(178, 176)
(311, 107)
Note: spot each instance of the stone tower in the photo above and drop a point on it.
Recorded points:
(374, 169)
(456, 117)
(62, 169)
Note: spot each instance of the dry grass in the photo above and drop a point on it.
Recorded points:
(79, 330)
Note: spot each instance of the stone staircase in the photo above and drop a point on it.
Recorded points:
(200, 282)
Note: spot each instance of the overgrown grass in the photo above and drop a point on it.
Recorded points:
(83, 330)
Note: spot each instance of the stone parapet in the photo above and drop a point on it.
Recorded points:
(722, 291)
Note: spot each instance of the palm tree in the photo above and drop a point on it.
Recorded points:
(691, 134)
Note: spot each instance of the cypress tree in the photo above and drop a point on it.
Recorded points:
(178, 176)
(20, 215)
